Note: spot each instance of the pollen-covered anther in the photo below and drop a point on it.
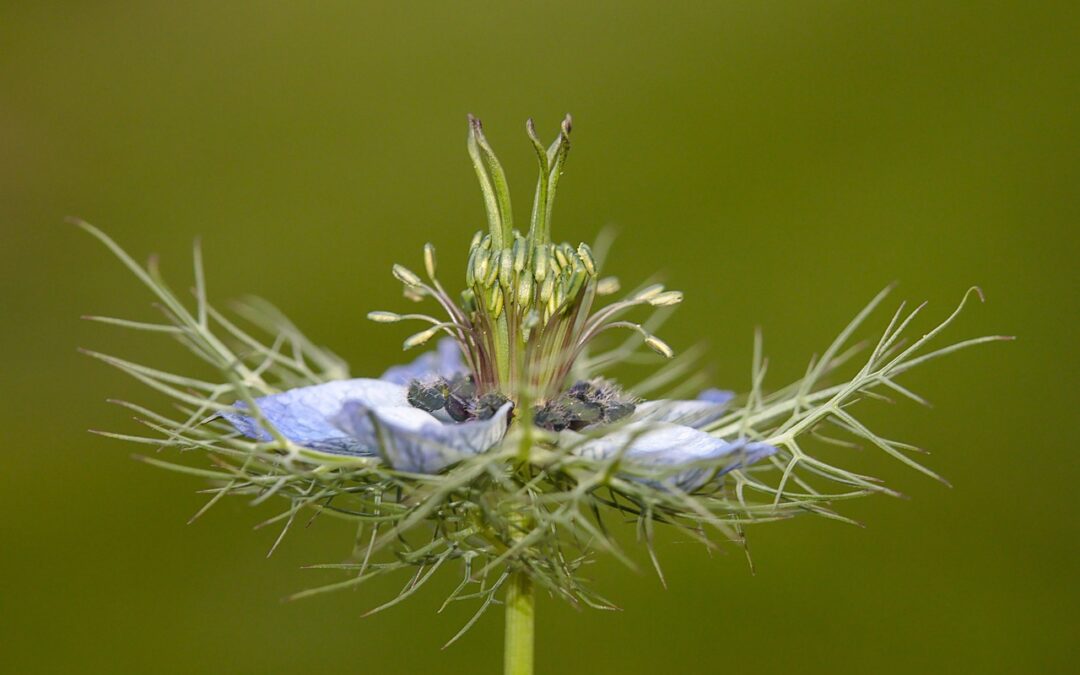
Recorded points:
(406, 276)
(481, 264)
(524, 291)
(587, 259)
(540, 263)
(384, 317)
(547, 289)
(497, 300)
(521, 249)
(422, 337)
(561, 257)
(506, 268)
(429, 260)
(659, 346)
(492, 271)
(666, 299)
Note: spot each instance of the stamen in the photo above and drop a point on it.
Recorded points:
(587, 259)
(666, 299)
(524, 291)
(420, 338)
(540, 264)
(384, 317)
(659, 346)
(506, 268)
(406, 276)
(429, 260)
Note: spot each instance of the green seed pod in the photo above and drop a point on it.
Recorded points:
(485, 243)
(476, 239)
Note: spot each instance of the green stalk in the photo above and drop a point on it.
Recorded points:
(520, 611)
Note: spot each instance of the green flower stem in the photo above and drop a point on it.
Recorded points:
(520, 612)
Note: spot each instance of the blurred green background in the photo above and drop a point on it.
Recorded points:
(781, 161)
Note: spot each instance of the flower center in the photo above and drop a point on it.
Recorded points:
(526, 314)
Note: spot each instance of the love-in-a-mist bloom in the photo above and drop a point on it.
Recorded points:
(509, 447)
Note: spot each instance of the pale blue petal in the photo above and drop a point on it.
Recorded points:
(302, 415)
(695, 414)
(716, 396)
(444, 361)
(666, 447)
(416, 441)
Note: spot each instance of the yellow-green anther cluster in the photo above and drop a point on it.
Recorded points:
(552, 276)
(526, 313)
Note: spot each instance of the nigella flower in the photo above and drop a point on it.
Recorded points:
(381, 418)
(504, 449)
(524, 322)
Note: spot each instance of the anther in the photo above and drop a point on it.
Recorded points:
(659, 346)
(521, 248)
(506, 268)
(666, 299)
(406, 276)
(547, 288)
(429, 260)
(480, 265)
(524, 290)
(384, 317)
(587, 259)
(492, 270)
(560, 256)
(420, 338)
(496, 301)
(540, 264)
